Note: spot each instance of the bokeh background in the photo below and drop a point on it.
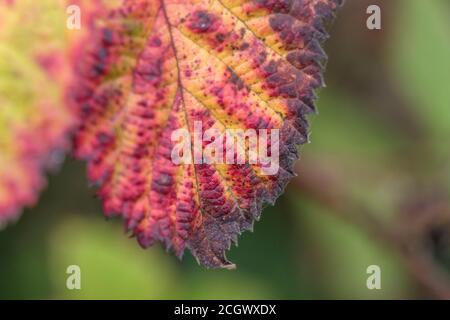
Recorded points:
(372, 189)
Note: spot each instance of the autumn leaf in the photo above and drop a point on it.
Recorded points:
(153, 67)
(37, 51)
(33, 117)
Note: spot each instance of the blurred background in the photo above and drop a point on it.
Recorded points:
(372, 189)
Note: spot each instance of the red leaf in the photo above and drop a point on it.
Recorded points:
(153, 67)
(36, 50)
(34, 120)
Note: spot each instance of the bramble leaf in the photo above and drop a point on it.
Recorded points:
(155, 66)
(36, 53)
(33, 117)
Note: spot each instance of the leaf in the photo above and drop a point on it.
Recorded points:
(33, 118)
(153, 67)
(36, 53)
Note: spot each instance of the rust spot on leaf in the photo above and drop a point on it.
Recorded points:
(202, 21)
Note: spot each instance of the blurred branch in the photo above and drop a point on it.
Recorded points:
(403, 236)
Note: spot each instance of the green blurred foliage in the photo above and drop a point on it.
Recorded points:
(299, 249)
(420, 51)
(88, 244)
(342, 255)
